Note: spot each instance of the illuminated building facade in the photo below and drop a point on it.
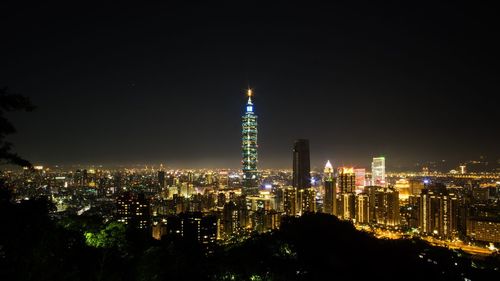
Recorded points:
(347, 206)
(484, 229)
(403, 187)
(438, 213)
(262, 202)
(133, 210)
(360, 174)
(330, 199)
(387, 207)
(362, 208)
(383, 205)
(378, 171)
(195, 227)
(249, 148)
(290, 201)
(230, 220)
(346, 179)
(306, 200)
(463, 169)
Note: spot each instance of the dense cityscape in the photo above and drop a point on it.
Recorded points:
(457, 210)
(240, 140)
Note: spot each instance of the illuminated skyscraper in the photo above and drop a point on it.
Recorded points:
(362, 208)
(306, 200)
(347, 206)
(346, 180)
(360, 174)
(290, 201)
(249, 148)
(438, 213)
(330, 200)
(378, 171)
(387, 207)
(346, 184)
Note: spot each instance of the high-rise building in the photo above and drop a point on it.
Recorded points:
(362, 208)
(346, 185)
(413, 211)
(383, 204)
(347, 207)
(230, 218)
(161, 178)
(290, 201)
(194, 227)
(133, 210)
(378, 171)
(330, 200)
(372, 207)
(438, 213)
(249, 148)
(346, 179)
(301, 164)
(387, 207)
(360, 174)
(306, 200)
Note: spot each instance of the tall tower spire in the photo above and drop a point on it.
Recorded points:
(249, 148)
(330, 198)
(249, 94)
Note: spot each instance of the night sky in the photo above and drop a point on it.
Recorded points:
(123, 84)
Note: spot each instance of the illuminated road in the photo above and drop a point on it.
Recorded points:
(459, 245)
(456, 245)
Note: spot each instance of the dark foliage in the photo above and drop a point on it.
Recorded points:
(34, 246)
(313, 247)
(320, 247)
(10, 103)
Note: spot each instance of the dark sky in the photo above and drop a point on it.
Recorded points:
(165, 83)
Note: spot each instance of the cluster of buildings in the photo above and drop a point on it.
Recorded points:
(211, 205)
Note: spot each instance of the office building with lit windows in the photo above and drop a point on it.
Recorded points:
(378, 171)
(362, 208)
(133, 210)
(290, 201)
(330, 199)
(360, 174)
(486, 229)
(346, 179)
(438, 213)
(306, 200)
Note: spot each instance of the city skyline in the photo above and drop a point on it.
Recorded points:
(379, 81)
(249, 148)
(283, 140)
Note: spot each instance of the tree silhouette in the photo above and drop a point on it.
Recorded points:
(10, 103)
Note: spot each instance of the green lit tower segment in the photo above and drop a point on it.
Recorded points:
(249, 148)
